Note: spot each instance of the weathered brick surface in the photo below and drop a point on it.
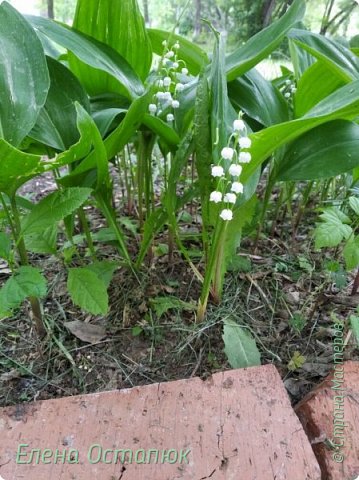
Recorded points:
(316, 412)
(238, 425)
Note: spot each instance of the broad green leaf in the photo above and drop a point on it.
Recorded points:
(91, 52)
(5, 245)
(263, 43)
(242, 215)
(26, 282)
(162, 129)
(194, 57)
(118, 139)
(222, 112)
(56, 125)
(43, 242)
(259, 99)
(104, 271)
(340, 60)
(314, 86)
(324, 152)
(24, 79)
(185, 113)
(354, 204)
(53, 208)
(301, 59)
(239, 346)
(120, 25)
(180, 160)
(104, 119)
(342, 104)
(332, 230)
(88, 291)
(18, 167)
(328, 213)
(162, 305)
(351, 253)
(354, 323)
(203, 144)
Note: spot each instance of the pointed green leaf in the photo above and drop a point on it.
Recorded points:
(342, 104)
(351, 253)
(354, 204)
(117, 139)
(120, 25)
(5, 245)
(26, 282)
(43, 242)
(24, 79)
(18, 167)
(194, 57)
(259, 99)
(91, 52)
(240, 348)
(315, 154)
(314, 86)
(263, 43)
(56, 125)
(340, 60)
(104, 270)
(53, 208)
(332, 230)
(88, 291)
(162, 129)
(203, 144)
(105, 118)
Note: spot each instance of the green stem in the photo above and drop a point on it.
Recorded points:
(83, 219)
(219, 266)
(267, 195)
(210, 270)
(303, 206)
(111, 220)
(24, 260)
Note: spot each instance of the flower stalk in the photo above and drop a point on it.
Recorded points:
(227, 174)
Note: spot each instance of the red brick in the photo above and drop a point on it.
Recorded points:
(239, 425)
(316, 412)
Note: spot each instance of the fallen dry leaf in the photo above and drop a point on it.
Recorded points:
(86, 332)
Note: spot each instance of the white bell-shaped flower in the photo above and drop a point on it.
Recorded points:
(152, 108)
(215, 197)
(227, 153)
(167, 81)
(235, 170)
(217, 171)
(245, 142)
(226, 214)
(237, 187)
(245, 157)
(239, 125)
(230, 198)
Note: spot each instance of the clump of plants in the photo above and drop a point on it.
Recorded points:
(94, 104)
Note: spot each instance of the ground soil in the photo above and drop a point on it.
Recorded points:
(279, 290)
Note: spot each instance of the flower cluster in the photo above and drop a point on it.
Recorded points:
(229, 169)
(288, 89)
(169, 88)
